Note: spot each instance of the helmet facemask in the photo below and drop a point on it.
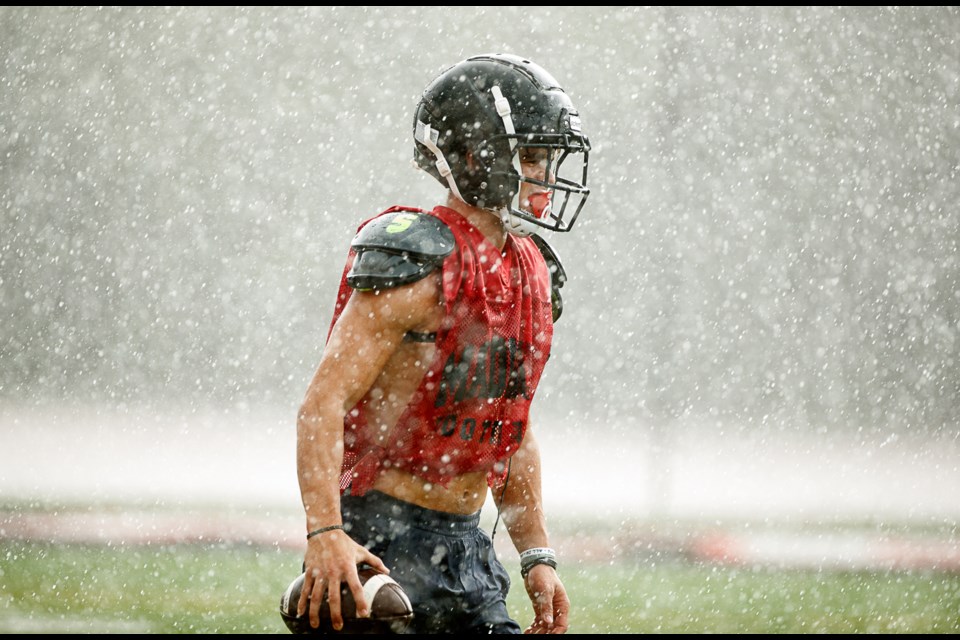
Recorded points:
(548, 174)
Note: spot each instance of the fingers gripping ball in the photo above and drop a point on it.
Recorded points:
(390, 608)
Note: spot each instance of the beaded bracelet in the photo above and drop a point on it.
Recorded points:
(317, 532)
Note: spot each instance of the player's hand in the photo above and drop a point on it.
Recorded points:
(331, 560)
(551, 607)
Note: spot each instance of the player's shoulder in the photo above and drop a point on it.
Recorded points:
(400, 246)
(404, 229)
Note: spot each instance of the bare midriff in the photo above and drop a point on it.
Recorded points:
(386, 402)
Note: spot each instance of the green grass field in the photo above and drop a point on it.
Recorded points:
(236, 589)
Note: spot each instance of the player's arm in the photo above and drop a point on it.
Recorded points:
(522, 510)
(364, 338)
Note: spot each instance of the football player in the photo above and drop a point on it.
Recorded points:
(442, 326)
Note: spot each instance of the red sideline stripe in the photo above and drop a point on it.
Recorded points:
(716, 547)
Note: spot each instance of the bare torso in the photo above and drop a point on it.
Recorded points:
(387, 399)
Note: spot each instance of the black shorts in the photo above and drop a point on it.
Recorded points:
(444, 562)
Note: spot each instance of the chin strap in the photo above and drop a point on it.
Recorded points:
(504, 111)
(428, 137)
(512, 223)
(515, 225)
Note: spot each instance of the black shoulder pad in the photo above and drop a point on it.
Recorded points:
(399, 248)
(557, 275)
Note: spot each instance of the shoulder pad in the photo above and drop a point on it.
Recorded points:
(399, 248)
(557, 274)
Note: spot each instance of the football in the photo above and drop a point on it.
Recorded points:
(390, 609)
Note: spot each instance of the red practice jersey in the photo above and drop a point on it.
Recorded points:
(471, 408)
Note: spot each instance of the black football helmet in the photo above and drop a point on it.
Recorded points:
(481, 117)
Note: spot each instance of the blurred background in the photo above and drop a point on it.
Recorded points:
(763, 309)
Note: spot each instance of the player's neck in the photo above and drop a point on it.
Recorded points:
(485, 221)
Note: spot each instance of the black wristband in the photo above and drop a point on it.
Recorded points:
(317, 532)
(525, 569)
